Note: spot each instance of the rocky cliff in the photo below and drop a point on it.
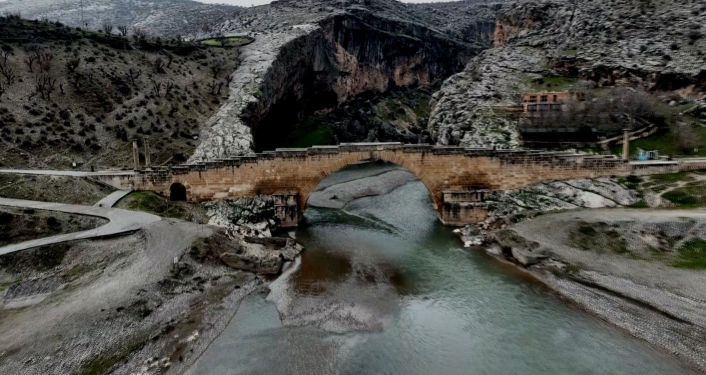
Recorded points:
(659, 45)
(166, 18)
(311, 56)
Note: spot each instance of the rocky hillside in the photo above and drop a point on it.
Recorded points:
(158, 18)
(552, 44)
(75, 96)
(310, 56)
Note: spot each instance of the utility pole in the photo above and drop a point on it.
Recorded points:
(82, 24)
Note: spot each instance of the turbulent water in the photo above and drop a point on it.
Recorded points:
(383, 288)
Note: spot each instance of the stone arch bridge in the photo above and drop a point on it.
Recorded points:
(457, 178)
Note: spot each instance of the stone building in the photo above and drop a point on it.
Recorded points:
(534, 103)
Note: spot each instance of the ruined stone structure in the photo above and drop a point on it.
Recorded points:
(457, 178)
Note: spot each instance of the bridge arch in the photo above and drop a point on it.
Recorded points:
(177, 192)
(305, 194)
(307, 189)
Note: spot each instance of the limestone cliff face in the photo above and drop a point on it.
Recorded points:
(656, 45)
(349, 54)
(311, 55)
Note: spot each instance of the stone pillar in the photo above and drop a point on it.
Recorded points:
(136, 154)
(626, 144)
(148, 163)
(463, 207)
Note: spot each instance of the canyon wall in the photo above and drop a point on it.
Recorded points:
(311, 56)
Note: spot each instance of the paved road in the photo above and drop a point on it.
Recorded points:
(111, 199)
(121, 221)
(70, 173)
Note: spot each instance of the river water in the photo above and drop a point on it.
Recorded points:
(383, 288)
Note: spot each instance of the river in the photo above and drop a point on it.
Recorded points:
(384, 288)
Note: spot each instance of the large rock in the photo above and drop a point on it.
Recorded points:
(524, 251)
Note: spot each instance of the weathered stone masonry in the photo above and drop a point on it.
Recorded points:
(457, 178)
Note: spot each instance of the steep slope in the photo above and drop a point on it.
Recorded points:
(74, 96)
(310, 56)
(158, 18)
(659, 45)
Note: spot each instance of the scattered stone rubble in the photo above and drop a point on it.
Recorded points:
(247, 243)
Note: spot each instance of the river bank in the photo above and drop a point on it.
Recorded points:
(628, 267)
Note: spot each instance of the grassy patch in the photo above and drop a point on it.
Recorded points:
(687, 196)
(666, 143)
(672, 177)
(7, 284)
(226, 42)
(598, 237)
(103, 363)
(639, 204)
(554, 83)
(153, 203)
(312, 132)
(41, 259)
(692, 255)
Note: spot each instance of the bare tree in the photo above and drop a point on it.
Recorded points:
(156, 86)
(45, 85)
(212, 87)
(30, 60)
(159, 65)
(45, 58)
(168, 87)
(123, 30)
(228, 79)
(3, 88)
(107, 28)
(72, 64)
(217, 68)
(170, 58)
(9, 73)
(132, 76)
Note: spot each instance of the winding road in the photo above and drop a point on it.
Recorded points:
(120, 221)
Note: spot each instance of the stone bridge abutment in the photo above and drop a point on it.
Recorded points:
(457, 178)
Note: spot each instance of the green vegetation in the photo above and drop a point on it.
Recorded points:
(672, 177)
(314, 131)
(598, 237)
(234, 41)
(554, 83)
(153, 203)
(7, 284)
(692, 195)
(692, 255)
(666, 143)
(102, 364)
(630, 182)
